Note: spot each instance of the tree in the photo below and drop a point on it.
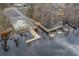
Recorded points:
(3, 6)
(30, 11)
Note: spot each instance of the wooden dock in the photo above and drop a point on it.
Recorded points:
(48, 30)
(36, 37)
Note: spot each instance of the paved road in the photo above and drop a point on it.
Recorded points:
(13, 14)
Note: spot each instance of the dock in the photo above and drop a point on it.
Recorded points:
(36, 37)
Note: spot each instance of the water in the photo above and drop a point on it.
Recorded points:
(61, 46)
